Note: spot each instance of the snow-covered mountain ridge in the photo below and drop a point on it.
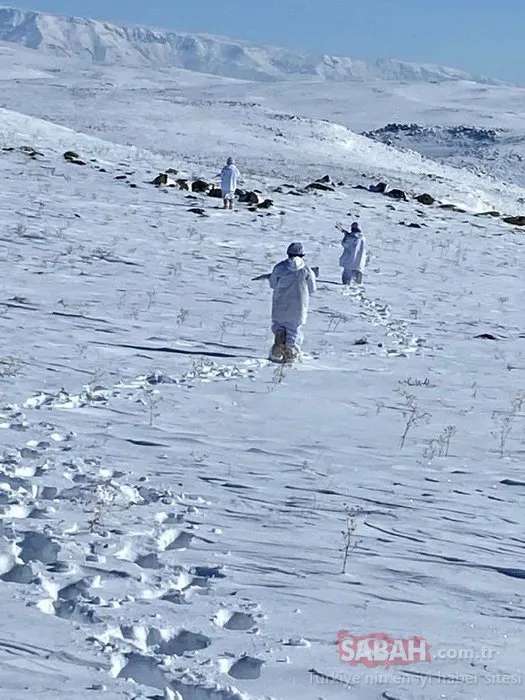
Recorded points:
(104, 43)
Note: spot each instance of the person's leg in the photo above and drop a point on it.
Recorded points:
(224, 201)
(348, 276)
(279, 342)
(294, 339)
(358, 277)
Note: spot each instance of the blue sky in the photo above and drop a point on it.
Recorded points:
(483, 36)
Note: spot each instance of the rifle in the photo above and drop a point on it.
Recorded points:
(315, 270)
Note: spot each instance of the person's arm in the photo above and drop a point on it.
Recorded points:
(362, 254)
(274, 277)
(311, 282)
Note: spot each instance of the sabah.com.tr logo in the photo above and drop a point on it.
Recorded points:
(380, 649)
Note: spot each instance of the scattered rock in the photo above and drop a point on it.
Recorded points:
(30, 151)
(452, 207)
(380, 187)
(361, 341)
(71, 155)
(200, 186)
(320, 186)
(250, 198)
(182, 184)
(163, 179)
(425, 199)
(495, 214)
(266, 204)
(514, 220)
(487, 336)
(326, 179)
(133, 185)
(120, 177)
(397, 194)
(8, 148)
(171, 171)
(197, 210)
(215, 192)
(412, 225)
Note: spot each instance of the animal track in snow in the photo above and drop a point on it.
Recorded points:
(202, 372)
(205, 371)
(139, 668)
(234, 620)
(378, 313)
(172, 540)
(90, 396)
(246, 668)
(38, 547)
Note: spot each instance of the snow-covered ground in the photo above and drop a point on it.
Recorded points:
(169, 105)
(172, 504)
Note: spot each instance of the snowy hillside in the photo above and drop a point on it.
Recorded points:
(105, 43)
(171, 504)
(498, 152)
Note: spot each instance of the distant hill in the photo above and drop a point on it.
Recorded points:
(105, 43)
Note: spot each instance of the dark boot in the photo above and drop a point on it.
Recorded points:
(278, 347)
(290, 354)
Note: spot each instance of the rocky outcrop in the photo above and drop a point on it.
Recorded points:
(425, 199)
(514, 220)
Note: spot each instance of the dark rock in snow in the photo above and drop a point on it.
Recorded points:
(197, 210)
(452, 207)
(326, 179)
(425, 199)
(183, 184)
(487, 336)
(30, 151)
(200, 186)
(380, 187)
(250, 198)
(266, 204)
(320, 186)
(512, 482)
(120, 177)
(215, 192)
(161, 179)
(397, 194)
(73, 157)
(494, 214)
(514, 220)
